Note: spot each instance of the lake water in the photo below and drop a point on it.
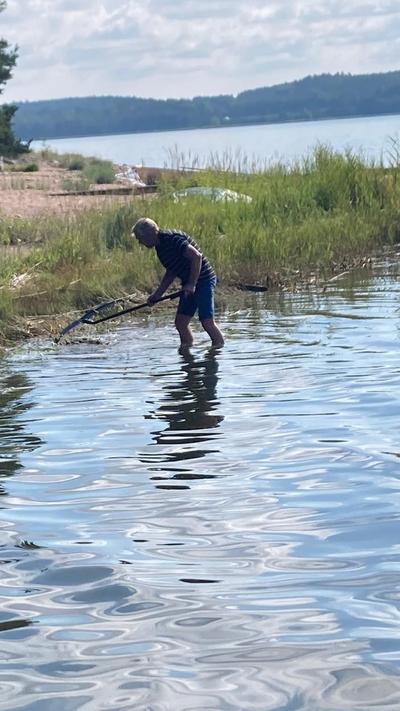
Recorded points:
(209, 531)
(262, 144)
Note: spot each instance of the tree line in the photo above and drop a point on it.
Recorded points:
(314, 97)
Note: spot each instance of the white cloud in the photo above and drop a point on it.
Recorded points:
(186, 47)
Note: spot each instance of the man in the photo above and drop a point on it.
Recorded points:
(181, 257)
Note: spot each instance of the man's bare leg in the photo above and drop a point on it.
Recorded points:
(182, 326)
(213, 331)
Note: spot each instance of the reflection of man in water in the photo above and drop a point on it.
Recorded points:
(190, 409)
(191, 403)
(15, 437)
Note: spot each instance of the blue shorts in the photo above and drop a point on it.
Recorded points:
(202, 299)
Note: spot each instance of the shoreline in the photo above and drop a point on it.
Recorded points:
(50, 325)
(279, 230)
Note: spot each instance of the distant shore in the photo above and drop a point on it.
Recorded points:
(231, 124)
(312, 98)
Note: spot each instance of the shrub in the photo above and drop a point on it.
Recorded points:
(30, 168)
(99, 171)
(76, 163)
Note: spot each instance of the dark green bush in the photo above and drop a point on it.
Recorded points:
(76, 164)
(30, 168)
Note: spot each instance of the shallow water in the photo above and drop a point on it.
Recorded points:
(210, 531)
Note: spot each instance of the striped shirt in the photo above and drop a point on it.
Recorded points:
(171, 253)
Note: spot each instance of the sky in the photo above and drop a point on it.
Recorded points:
(186, 48)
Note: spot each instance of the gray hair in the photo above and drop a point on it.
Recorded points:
(144, 226)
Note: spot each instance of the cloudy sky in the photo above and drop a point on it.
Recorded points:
(184, 48)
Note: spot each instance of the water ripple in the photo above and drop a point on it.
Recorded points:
(211, 530)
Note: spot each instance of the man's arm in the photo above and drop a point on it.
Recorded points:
(195, 258)
(165, 282)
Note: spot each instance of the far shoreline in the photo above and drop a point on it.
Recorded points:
(231, 124)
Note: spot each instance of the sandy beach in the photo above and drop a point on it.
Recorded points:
(26, 195)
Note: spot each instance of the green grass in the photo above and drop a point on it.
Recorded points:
(93, 170)
(322, 214)
(328, 209)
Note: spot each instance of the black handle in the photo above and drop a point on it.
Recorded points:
(174, 295)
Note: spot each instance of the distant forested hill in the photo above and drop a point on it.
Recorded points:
(314, 97)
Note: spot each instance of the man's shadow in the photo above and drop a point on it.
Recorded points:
(190, 411)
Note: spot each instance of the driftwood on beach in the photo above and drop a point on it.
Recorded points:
(120, 190)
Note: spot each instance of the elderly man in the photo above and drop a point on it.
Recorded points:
(182, 258)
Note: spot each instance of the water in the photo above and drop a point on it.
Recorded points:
(373, 136)
(214, 531)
